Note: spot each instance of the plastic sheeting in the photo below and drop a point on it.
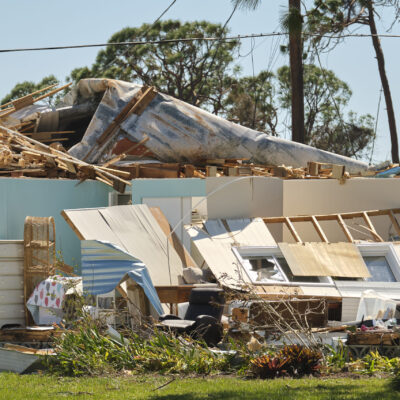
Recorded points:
(180, 132)
(105, 265)
(375, 306)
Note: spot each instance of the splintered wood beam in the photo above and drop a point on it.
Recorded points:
(28, 100)
(125, 153)
(30, 94)
(344, 228)
(394, 221)
(371, 227)
(290, 226)
(319, 230)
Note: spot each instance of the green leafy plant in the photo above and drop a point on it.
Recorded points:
(337, 358)
(87, 351)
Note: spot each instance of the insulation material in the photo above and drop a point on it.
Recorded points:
(134, 229)
(324, 259)
(180, 132)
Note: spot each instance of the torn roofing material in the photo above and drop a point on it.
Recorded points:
(134, 229)
(180, 132)
(104, 265)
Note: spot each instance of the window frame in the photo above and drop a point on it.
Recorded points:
(384, 249)
(242, 252)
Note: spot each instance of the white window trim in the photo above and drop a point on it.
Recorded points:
(274, 251)
(382, 249)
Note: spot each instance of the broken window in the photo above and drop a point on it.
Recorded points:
(267, 265)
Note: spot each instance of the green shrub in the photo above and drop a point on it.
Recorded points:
(88, 352)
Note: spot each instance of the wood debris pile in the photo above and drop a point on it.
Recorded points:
(24, 156)
(234, 168)
(27, 152)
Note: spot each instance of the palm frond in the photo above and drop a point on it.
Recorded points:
(249, 4)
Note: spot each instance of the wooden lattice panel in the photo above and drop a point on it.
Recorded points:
(39, 254)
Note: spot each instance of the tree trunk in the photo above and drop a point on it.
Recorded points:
(296, 76)
(385, 83)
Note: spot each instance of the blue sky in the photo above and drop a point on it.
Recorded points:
(27, 23)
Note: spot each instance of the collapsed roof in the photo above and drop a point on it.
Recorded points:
(176, 131)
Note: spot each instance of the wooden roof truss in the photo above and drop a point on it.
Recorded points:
(340, 218)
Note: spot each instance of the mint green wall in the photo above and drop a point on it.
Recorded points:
(188, 187)
(47, 198)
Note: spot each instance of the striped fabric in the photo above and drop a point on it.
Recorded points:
(104, 265)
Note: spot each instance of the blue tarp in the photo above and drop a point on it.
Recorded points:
(104, 265)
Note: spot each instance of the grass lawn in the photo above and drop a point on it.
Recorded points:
(32, 387)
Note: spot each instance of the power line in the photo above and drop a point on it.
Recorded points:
(215, 54)
(191, 39)
(144, 34)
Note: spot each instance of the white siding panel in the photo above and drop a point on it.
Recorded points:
(11, 282)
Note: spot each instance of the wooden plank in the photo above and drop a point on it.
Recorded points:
(344, 228)
(211, 170)
(292, 230)
(136, 105)
(189, 170)
(313, 168)
(394, 221)
(319, 230)
(338, 171)
(54, 91)
(22, 102)
(330, 217)
(371, 228)
(174, 294)
(124, 154)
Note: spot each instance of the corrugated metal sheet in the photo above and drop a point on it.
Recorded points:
(15, 361)
(180, 132)
(104, 265)
(11, 282)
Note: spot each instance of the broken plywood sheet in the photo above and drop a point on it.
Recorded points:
(250, 232)
(240, 232)
(214, 246)
(324, 259)
(218, 256)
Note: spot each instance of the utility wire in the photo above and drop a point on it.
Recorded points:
(342, 124)
(144, 34)
(191, 39)
(215, 54)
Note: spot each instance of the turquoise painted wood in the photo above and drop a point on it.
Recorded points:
(44, 198)
(188, 187)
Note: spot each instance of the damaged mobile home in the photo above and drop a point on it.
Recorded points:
(158, 203)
